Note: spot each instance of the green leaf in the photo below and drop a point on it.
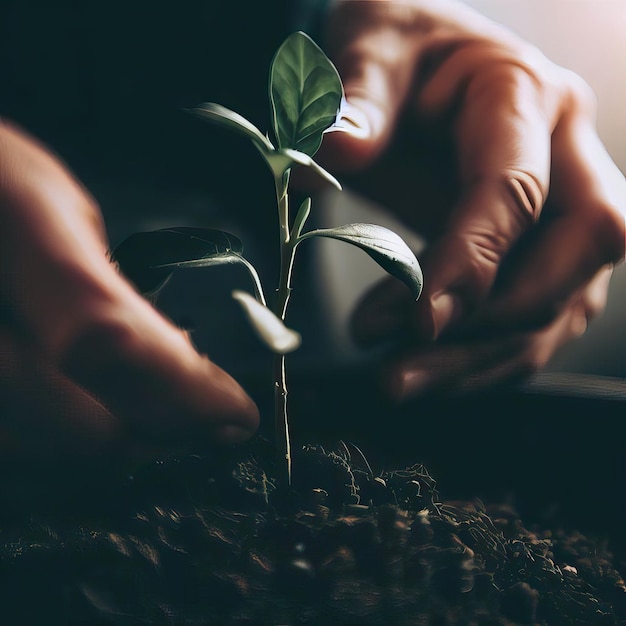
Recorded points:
(301, 217)
(269, 328)
(280, 161)
(386, 248)
(305, 93)
(304, 159)
(219, 114)
(149, 259)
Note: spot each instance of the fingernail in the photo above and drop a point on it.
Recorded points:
(447, 309)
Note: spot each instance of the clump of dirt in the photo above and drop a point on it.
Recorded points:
(214, 543)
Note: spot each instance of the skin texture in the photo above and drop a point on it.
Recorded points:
(479, 142)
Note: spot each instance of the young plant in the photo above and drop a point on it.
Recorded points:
(306, 94)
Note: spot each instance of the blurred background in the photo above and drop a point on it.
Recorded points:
(588, 37)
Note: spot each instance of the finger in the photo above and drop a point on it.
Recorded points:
(50, 426)
(539, 347)
(444, 367)
(376, 61)
(89, 323)
(582, 231)
(470, 364)
(502, 135)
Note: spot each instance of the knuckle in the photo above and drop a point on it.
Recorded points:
(481, 251)
(580, 96)
(510, 76)
(525, 82)
(485, 250)
(526, 193)
(522, 194)
(491, 71)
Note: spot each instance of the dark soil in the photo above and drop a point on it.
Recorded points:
(196, 541)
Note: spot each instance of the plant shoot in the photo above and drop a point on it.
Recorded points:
(306, 95)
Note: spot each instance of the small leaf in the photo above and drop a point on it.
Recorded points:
(305, 93)
(269, 328)
(219, 114)
(280, 161)
(304, 159)
(148, 259)
(301, 217)
(386, 248)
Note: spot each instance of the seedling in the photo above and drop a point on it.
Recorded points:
(306, 96)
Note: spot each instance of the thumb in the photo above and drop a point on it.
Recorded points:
(376, 64)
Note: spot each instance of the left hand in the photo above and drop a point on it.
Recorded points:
(483, 145)
(100, 380)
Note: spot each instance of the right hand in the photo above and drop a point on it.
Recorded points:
(485, 147)
(94, 370)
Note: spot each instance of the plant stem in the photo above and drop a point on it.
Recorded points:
(258, 288)
(282, 439)
(287, 254)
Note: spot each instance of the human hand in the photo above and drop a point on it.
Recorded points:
(95, 371)
(483, 145)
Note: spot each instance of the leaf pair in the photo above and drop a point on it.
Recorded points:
(149, 259)
(305, 94)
